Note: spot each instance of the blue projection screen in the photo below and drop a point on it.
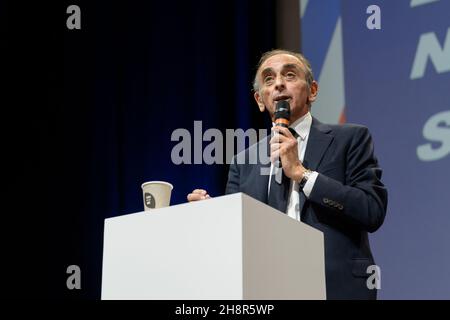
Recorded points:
(395, 79)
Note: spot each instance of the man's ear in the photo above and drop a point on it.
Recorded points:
(313, 91)
(258, 100)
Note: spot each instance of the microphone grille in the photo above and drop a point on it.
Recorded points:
(282, 110)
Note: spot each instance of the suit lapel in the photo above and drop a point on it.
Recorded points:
(263, 172)
(319, 140)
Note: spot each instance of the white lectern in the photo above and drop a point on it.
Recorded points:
(229, 247)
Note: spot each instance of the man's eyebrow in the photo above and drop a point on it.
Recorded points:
(292, 66)
(269, 70)
(266, 71)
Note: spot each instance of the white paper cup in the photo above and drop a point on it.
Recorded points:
(156, 194)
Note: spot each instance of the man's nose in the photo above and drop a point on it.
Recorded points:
(279, 83)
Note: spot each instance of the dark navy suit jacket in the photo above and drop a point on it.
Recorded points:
(348, 200)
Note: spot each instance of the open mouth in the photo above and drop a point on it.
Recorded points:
(279, 98)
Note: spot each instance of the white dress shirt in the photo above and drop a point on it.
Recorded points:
(302, 126)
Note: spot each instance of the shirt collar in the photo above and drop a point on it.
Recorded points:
(302, 125)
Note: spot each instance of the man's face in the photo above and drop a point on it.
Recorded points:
(282, 77)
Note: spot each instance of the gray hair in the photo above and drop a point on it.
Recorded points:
(308, 70)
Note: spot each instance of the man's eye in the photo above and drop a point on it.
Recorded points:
(268, 79)
(290, 75)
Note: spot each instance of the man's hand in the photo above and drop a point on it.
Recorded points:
(285, 147)
(198, 194)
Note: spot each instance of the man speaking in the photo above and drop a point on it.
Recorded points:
(330, 178)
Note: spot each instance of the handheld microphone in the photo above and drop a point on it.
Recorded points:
(282, 115)
(282, 118)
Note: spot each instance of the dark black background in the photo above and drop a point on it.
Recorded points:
(87, 117)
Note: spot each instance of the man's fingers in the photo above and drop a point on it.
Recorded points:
(195, 197)
(198, 194)
(275, 156)
(274, 147)
(200, 191)
(276, 139)
(284, 132)
(279, 138)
